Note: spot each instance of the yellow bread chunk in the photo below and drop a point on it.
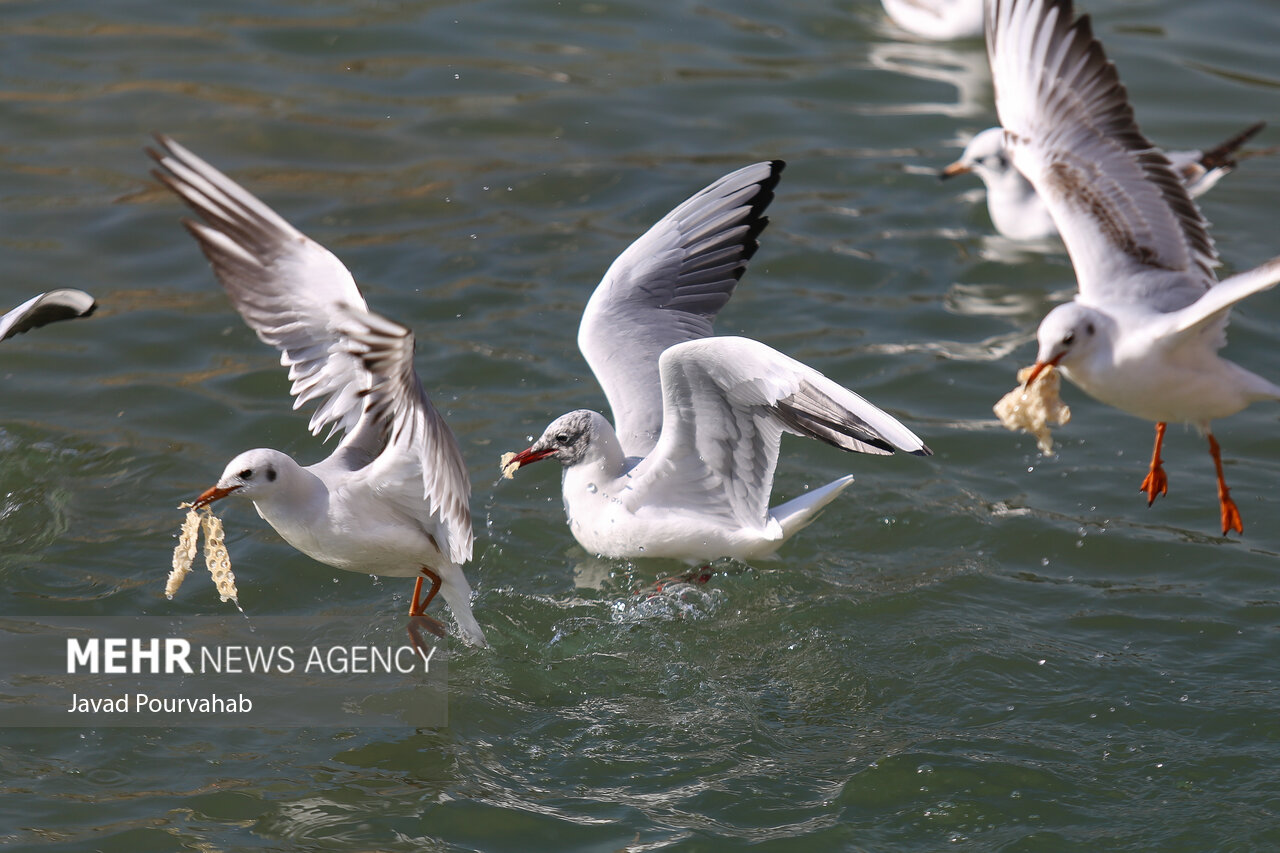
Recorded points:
(509, 466)
(1033, 408)
(216, 558)
(184, 554)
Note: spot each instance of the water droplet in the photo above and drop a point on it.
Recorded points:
(591, 487)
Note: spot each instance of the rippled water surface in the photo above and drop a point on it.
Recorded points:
(988, 649)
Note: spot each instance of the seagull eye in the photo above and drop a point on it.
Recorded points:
(246, 474)
(562, 438)
(1069, 339)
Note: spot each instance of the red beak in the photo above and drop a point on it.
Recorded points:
(1039, 368)
(211, 494)
(528, 456)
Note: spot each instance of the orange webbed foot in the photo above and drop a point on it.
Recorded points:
(1230, 515)
(1155, 484)
(1230, 512)
(698, 576)
(419, 621)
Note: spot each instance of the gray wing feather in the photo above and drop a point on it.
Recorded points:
(425, 463)
(666, 288)
(284, 284)
(61, 304)
(1131, 229)
(726, 403)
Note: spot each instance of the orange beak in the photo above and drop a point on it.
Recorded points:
(1040, 367)
(956, 168)
(211, 494)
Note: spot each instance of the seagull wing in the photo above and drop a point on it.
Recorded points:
(726, 403)
(1213, 306)
(421, 461)
(1132, 231)
(666, 288)
(61, 304)
(286, 286)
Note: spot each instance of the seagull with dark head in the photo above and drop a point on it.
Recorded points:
(686, 470)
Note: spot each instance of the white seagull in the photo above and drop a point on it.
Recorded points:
(1019, 213)
(65, 303)
(393, 497)
(687, 471)
(1144, 331)
(940, 20)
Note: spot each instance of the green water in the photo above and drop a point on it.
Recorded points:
(984, 650)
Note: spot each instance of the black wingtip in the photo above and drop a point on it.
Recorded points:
(811, 413)
(923, 451)
(1220, 156)
(163, 140)
(756, 221)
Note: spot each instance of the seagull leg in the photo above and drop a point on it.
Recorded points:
(699, 575)
(1230, 512)
(1156, 482)
(418, 619)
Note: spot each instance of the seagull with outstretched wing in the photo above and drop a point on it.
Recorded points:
(1144, 331)
(686, 470)
(393, 497)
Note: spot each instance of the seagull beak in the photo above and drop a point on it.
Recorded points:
(1040, 367)
(956, 168)
(209, 495)
(530, 455)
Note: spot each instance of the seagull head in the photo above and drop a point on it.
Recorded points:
(1067, 335)
(568, 439)
(985, 155)
(252, 474)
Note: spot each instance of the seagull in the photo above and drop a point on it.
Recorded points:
(1019, 213)
(940, 20)
(392, 499)
(64, 303)
(686, 470)
(1144, 330)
